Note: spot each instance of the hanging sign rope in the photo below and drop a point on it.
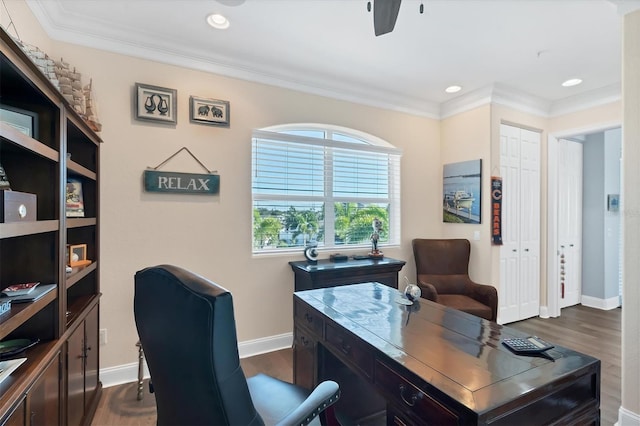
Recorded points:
(181, 183)
(496, 210)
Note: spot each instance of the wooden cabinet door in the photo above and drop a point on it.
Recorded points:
(91, 356)
(17, 418)
(75, 377)
(44, 397)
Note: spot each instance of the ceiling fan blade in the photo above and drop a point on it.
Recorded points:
(385, 13)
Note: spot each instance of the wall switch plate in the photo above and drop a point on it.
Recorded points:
(103, 336)
(476, 235)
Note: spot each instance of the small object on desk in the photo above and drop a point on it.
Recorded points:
(311, 254)
(360, 256)
(337, 257)
(20, 289)
(531, 345)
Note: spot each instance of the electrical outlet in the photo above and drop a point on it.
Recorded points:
(103, 336)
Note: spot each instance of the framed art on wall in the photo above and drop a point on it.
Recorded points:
(212, 112)
(154, 103)
(461, 192)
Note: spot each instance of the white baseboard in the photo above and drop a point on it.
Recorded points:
(544, 312)
(627, 418)
(604, 304)
(127, 373)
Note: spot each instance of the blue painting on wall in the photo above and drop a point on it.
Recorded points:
(461, 192)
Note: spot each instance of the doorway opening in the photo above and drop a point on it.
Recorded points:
(584, 262)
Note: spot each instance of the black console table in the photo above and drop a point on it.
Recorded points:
(330, 274)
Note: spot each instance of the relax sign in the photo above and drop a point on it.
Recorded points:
(181, 183)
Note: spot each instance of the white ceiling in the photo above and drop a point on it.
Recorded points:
(328, 47)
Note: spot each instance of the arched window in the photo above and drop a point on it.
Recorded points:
(324, 185)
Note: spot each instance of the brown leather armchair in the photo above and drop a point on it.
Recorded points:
(442, 268)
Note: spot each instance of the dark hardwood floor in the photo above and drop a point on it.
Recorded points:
(590, 331)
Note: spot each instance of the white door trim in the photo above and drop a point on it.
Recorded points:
(553, 286)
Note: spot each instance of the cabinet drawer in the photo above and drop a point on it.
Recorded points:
(411, 401)
(348, 347)
(304, 356)
(308, 318)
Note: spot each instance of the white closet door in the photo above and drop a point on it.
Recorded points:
(509, 291)
(570, 221)
(530, 224)
(519, 293)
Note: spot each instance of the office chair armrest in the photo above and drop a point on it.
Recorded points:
(429, 292)
(322, 397)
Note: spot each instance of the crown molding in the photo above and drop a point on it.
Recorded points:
(591, 99)
(109, 37)
(626, 6)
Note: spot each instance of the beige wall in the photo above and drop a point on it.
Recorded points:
(466, 136)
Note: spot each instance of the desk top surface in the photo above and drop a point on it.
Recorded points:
(458, 353)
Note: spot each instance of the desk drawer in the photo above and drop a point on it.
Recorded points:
(349, 347)
(411, 401)
(308, 317)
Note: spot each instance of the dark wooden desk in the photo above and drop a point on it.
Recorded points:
(329, 274)
(429, 364)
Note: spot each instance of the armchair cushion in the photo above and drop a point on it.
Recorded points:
(466, 304)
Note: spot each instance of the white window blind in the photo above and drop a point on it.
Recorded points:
(310, 188)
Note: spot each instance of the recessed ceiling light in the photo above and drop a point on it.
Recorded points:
(218, 21)
(453, 89)
(572, 82)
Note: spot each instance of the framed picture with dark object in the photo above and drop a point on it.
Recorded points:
(77, 255)
(153, 103)
(75, 199)
(212, 112)
(23, 120)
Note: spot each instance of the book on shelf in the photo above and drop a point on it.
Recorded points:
(75, 200)
(20, 289)
(34, 295)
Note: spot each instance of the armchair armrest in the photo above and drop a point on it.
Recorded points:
(429, 292)
(322, 397)
(486, 294)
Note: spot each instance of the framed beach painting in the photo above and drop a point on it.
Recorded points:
(461, 192)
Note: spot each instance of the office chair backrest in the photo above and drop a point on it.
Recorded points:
(187, 329)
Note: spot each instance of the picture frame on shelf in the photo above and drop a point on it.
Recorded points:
(5, 185)
(77, 255)
(155, 103)
(24, 121)
(211, 112)
(74, 198)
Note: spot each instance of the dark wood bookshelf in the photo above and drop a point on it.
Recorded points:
(59, 383)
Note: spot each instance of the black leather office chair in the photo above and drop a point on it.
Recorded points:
(187, 330)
